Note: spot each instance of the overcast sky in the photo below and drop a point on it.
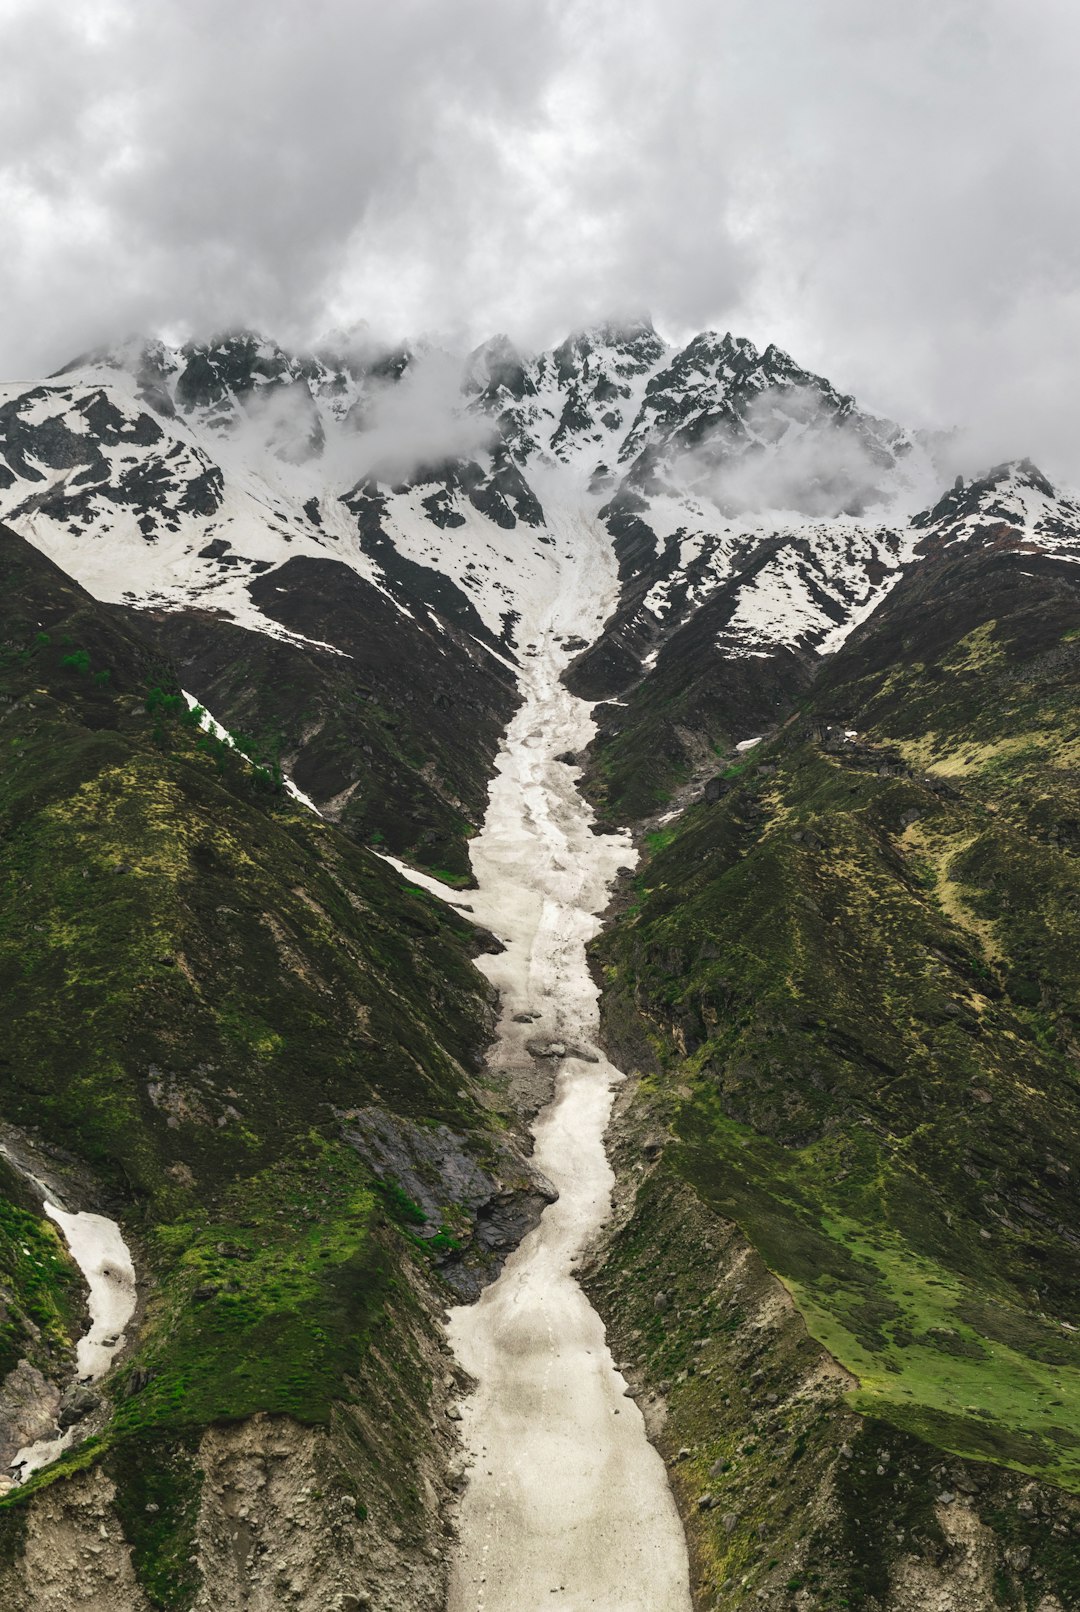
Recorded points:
(886, 187)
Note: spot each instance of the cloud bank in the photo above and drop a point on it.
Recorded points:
(799, 460)
(885, 191)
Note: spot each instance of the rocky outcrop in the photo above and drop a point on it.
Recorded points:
(30, 1408)
(265, 1512)
(471, 1215)
(278, 1526)
(67, 1549)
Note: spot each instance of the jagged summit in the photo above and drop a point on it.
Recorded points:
(1014, 505)
(497, 374)
(173, 475)
(627, 347)
(722, 387)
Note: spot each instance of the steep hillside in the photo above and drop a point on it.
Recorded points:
(239, 1034)
(848, 977)
(380, 684)
(393, 734)
(837, 704)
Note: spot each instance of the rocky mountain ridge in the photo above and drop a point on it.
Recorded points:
(194, 451)
(826, 967)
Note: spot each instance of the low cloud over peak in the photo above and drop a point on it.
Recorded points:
(886, 192)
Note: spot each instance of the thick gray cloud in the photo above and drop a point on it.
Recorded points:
(887, 191)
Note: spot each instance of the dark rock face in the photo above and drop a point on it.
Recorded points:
(708, 391)
(77, 1403)
(499, 491)
(234, 367)
(472, 1216)
(497, 375)
(695, 697)
(432, 592)
(199, 384)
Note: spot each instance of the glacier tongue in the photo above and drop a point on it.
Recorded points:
(565, 1493)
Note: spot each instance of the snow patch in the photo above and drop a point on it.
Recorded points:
(98, 1248)
(211, 725)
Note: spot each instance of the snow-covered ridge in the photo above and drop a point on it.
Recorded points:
(180, 477)
(815, 589)
(149, 510)
(1013, 506)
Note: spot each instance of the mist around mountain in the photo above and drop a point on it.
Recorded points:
(835, 703)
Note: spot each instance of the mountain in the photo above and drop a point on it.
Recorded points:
(235, 482)
(834, 703)
(246, 1037)
(848, 976)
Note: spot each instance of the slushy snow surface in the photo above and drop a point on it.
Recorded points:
(565, 1492)
(99, 1250)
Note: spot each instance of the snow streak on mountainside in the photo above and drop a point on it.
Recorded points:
(186, 477)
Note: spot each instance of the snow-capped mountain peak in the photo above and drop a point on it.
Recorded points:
(178, 476)
(1012, 506)
(497, 375)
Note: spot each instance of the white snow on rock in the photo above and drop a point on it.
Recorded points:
(97, 1246)
(199, 482)
(211, 725)
(495, 568)
(815, 588)
(160, 491)
(1012, 506)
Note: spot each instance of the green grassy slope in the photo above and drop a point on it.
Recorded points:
(855, 981)
(198, 978)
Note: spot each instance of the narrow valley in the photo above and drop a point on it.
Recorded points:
(566, 1497)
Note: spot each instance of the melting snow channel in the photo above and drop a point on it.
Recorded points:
(98, 1248)
(566, 1495)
